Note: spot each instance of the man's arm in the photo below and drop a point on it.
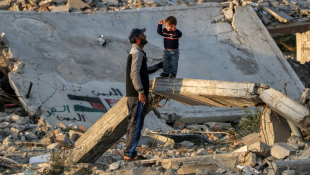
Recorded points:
(135, 71)
(154, 68)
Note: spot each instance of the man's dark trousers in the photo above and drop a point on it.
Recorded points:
(136, 115)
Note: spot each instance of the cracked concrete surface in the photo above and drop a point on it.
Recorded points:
(76, 80)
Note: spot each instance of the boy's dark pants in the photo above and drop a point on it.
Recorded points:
(136, 115)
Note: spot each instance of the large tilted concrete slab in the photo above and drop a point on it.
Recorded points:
(75, 80)
(232, 94)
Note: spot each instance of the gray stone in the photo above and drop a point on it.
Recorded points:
(293, 139)
(30, 135)
(221, 170)
(187, 144)
(115, 165)
(300, 166)
(288, 172)
(60, 1)
(297, 146)
(228, 14)
(63, 138)
(44, 4)
(19, 120)
(112, 3)
(202, 152)
(282, 150)
(4, 125)
(260, 147)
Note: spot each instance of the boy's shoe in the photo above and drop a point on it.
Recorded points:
(173, 75)
(164, 75)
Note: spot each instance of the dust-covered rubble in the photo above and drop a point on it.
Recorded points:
(171, 152)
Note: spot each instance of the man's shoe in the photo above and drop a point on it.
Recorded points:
(164, 75)
(173, 75)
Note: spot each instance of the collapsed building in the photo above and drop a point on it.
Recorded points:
(62, 74)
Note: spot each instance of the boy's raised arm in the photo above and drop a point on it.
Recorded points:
(160, 27)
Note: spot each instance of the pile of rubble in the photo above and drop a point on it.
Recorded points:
(209, 148)
(270, 12)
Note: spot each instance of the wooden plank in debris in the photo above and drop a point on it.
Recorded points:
(102, 135)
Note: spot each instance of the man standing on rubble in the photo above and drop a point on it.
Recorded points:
(137, 90)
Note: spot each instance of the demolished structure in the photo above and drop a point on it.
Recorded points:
(63, 75)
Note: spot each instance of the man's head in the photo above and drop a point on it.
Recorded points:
(137, 36)
(170, 22)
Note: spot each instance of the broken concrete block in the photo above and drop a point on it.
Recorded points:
(282, 150)
(53, 146)
(18, 67)
(19, 120)
(248, 159)
(77, 4)
(249, 139)
(5, 5)
(30, 136)
(60, 1)
(62, 8)
(4, 125)
(300, 166)
(74, 135)
(229, 14)
(115, 165)
(218, 124)
(297, 146)
(280, 16)
(260, 147)
(202, 152)
(187, 144)
(242, 149)
(191, 169)
(206, 172)
(178, 125)
(61, 125)
(62, 138)
(44, 4)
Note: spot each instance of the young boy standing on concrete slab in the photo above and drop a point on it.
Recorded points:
(171, 43)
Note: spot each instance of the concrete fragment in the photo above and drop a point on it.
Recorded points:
(115, 165)
(249, 139)
(187, 144)
(44, 4)
(202, 152)
(300, 166)
(206, 172)
(4, 125)
(281, 16)
(297, 146)
(4, 5)
(112, 3)
(218, 124)
(228, 160)
(74, 135)
(282, 150)
(229, 14)
(61, 9)
(242, 149)
(19, 120)
(63, 138)
(178, 125)
(288, 172)
(30, 135)
(260, 147)
(191, 169)
(53, 146)
(61, 125)
(77, 4)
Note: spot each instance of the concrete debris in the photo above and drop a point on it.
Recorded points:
(282, 150)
